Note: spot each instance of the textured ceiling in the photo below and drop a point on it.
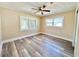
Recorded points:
(56, 7)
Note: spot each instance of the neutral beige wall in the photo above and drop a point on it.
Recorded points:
(66, 31)
(11, 24)
(42, 29)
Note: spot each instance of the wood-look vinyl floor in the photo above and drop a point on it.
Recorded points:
(38, 46)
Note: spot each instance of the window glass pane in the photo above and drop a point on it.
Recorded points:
(27, 23)
(58, 24)
(58, 21)
(48, 22)
(23, 23)
(32, 23)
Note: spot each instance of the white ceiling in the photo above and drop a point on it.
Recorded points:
(56, 7)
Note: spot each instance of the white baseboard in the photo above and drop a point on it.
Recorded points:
(18, 38)
(58, 36)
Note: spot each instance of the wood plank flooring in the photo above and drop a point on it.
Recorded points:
(38, 46)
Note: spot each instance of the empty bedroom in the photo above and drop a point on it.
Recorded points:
(39, 29)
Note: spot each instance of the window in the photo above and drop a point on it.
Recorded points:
(56, 22)
(24, 23)
(48, 22)
(32, 24)
(28, 23)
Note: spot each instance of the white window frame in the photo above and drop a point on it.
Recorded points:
(62, 21)
(53, 19)
(48, 21)
(31, 23)
(22, 18)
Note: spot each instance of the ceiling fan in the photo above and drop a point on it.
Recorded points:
(42, 9)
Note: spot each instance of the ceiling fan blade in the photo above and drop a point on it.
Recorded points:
(34, 9)
(51, 2)
(42, 13)
(46, 10)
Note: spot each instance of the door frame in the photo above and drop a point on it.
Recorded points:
(0, 30)
(0, 35)
(76, 50)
